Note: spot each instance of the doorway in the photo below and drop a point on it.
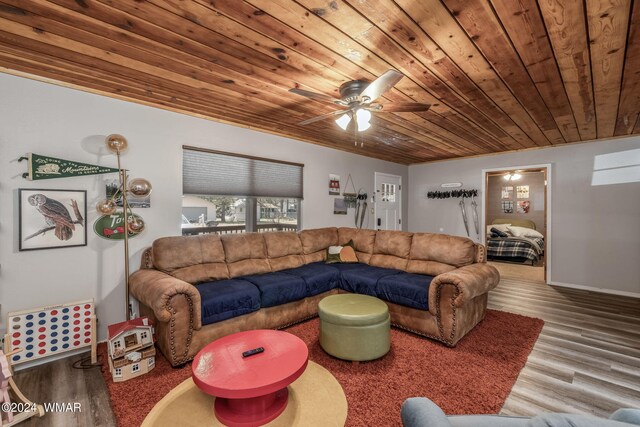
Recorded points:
(388, 203)
(516, 217)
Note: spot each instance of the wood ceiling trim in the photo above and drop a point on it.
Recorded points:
(482, 27)
(629, 107)
(608, 24)
(509, 70)
(440, 75)
(128, 91)
(501, 75)
(317, 29)
(435, 20)
(257, 19)
(55, 34)
(524, 26)
(168, 20)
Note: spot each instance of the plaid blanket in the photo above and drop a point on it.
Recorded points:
(515, 247)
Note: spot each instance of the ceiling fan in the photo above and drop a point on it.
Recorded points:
(357, 98)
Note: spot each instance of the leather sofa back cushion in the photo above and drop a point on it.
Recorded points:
(284, 250)
(363, 241)
(245, 254)
(391, 249)
(434, 254)
(194, 259)
(315, 243)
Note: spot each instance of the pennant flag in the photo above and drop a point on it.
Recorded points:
(44, 167)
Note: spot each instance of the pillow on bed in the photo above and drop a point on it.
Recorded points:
(498, 232)
(523, 232)
(501, 227)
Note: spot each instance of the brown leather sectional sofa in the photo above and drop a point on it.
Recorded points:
(164, 286)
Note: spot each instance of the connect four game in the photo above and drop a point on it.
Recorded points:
(45, 331)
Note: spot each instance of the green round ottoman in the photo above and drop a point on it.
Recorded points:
(354, 327)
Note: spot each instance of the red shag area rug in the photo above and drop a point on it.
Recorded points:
(475, 377)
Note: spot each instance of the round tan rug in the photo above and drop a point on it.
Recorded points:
(315, 399)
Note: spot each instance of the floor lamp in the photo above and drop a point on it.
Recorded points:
(138, 187)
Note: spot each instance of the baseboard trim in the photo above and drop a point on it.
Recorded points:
(594, 289)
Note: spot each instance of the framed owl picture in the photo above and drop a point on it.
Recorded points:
(52, 218)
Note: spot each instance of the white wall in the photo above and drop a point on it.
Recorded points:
(595, 229)
(60, 122)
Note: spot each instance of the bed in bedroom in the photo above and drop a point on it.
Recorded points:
(514, 240)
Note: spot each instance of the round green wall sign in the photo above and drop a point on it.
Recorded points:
(111, 227)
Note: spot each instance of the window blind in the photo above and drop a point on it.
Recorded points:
(208, 172)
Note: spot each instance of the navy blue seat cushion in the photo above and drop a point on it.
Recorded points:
(278, 288)
(362, 278)
(318, 276)
(407, 289)
(224, 299)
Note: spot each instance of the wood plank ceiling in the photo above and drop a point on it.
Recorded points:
(501, 75)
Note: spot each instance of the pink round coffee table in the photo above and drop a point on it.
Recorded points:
(250, 391)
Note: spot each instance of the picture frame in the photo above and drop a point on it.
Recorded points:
(507, 193)
(334, 184)
(522, 191)
(51, 219)
(523, 206)
(339, 206)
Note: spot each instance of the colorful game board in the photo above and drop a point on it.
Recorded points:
(45, 331)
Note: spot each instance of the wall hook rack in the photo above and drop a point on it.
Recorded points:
(464, 193)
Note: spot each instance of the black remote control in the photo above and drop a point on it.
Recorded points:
(252, 352)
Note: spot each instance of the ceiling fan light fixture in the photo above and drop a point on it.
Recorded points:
(363, 125)
(363, 115)
(512, 176)
(343, 121)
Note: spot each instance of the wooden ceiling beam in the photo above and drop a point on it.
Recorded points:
(425, 53)
(608, 22)
(486, 49)
(256, 19)
(185, 42)
(567, 31)
(224, 110)
(462, 31)
(346, 50)
(353, 24)
(525, 28)
(629, 107)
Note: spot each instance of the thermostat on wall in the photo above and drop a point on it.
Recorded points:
(451, 185)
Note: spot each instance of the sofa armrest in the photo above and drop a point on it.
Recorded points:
(158, 291)
(470, 281)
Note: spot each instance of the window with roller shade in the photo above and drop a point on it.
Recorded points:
(233, 193)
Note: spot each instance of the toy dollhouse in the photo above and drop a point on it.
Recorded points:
(131, 349)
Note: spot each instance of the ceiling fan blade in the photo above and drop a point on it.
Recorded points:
(322, 117)
(400, 107)
(314, 96)
(381, 85)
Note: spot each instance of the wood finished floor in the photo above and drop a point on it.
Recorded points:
(586, 360)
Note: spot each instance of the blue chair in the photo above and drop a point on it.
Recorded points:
(422, 412)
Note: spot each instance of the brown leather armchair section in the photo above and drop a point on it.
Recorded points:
(470, 281)
(174, 305)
